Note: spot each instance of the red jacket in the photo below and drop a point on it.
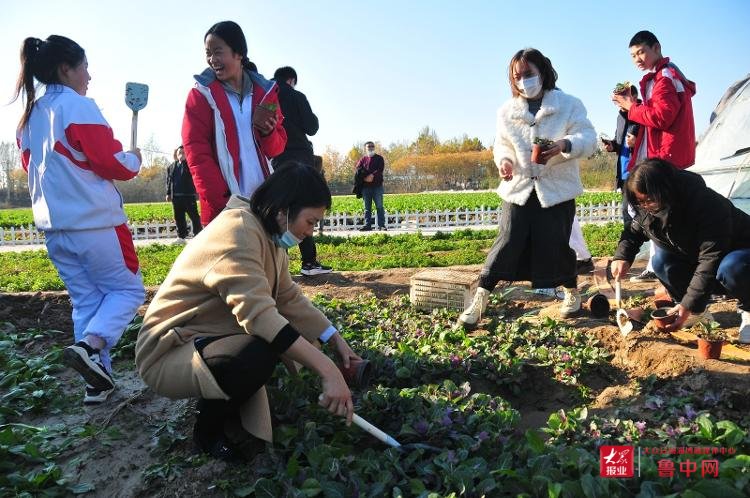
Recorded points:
(200, 140)
(666, 116)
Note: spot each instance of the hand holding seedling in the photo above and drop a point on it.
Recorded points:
(623, 101)
(553, 149)
(264, 118)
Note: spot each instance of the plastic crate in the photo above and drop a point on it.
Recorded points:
(438, 288)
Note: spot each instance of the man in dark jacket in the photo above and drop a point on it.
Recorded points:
(181, 192)
(299, 122)
(702, 240)
(371, 167)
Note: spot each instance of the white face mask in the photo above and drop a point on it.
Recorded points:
(530, 87)
(370, 153)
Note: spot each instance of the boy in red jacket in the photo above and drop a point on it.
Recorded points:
(666, 114)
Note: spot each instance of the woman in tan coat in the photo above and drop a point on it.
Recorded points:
(228, 311)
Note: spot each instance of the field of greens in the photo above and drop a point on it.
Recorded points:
(33, 271)
(455, 400)
(349, 204)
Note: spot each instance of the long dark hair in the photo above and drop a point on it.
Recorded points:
(293, 186)
(40, 59)
(232, 34)
(542, 63)
(654, 178)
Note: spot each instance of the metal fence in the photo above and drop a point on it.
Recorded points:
(344, 222)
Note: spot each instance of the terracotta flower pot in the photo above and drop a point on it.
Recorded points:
(662, 318)
(598, 305)
(358, 374)
(263, 112)
(663, 303)
(709, 350)
(536, 152)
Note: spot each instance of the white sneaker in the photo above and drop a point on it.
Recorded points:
(745, 327)
(179, 241)
(471, 315)
(95, 396)
(571, 305)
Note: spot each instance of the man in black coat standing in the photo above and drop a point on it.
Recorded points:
(181, 192)
(299, 122)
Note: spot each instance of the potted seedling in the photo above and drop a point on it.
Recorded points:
(263, 112)
(539, 145)
(710, 339)
(622, 88)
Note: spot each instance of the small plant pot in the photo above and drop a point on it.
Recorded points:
(263, 112)
(709, 350)
(598, 305)
(358, 374)
(536, 153)
(662, 318)
(663, 303)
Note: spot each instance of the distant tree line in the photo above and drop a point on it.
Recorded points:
(426, 163)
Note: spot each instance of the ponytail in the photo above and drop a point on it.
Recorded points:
(40, 60)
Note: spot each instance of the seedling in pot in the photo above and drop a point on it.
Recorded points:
(623, 87)
(708, 331)
(540, 144)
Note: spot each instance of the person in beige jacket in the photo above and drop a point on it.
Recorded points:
(228, 311)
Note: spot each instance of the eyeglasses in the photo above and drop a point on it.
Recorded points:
(645, 202)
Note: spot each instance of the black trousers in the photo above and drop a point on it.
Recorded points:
(533, 244)
(241, 364)
(182, 205)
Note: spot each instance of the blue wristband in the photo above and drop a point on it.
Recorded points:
(327, 333)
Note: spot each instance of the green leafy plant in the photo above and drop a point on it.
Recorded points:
(709, 331)
(622, 87)
(544, 142)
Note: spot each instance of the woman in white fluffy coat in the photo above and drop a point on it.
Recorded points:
(537, 216)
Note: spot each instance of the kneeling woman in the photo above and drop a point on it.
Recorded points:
(228, 311)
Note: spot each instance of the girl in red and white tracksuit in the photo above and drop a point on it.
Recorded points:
(72, 158)
(232, 123)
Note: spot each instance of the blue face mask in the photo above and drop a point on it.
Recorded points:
(286, 240)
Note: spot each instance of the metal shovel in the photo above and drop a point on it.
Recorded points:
(136, 98)
(622, 318)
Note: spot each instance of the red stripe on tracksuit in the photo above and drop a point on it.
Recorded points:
(98, 143)
(128, 249)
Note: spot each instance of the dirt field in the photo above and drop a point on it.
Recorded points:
(114, 462)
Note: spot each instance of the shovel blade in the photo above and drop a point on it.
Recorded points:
(136, 96)
(624, 322)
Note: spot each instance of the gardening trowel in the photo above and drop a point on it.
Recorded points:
(136, 98)
(622, 318)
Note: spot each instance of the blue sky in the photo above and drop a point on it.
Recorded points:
(382, 70)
